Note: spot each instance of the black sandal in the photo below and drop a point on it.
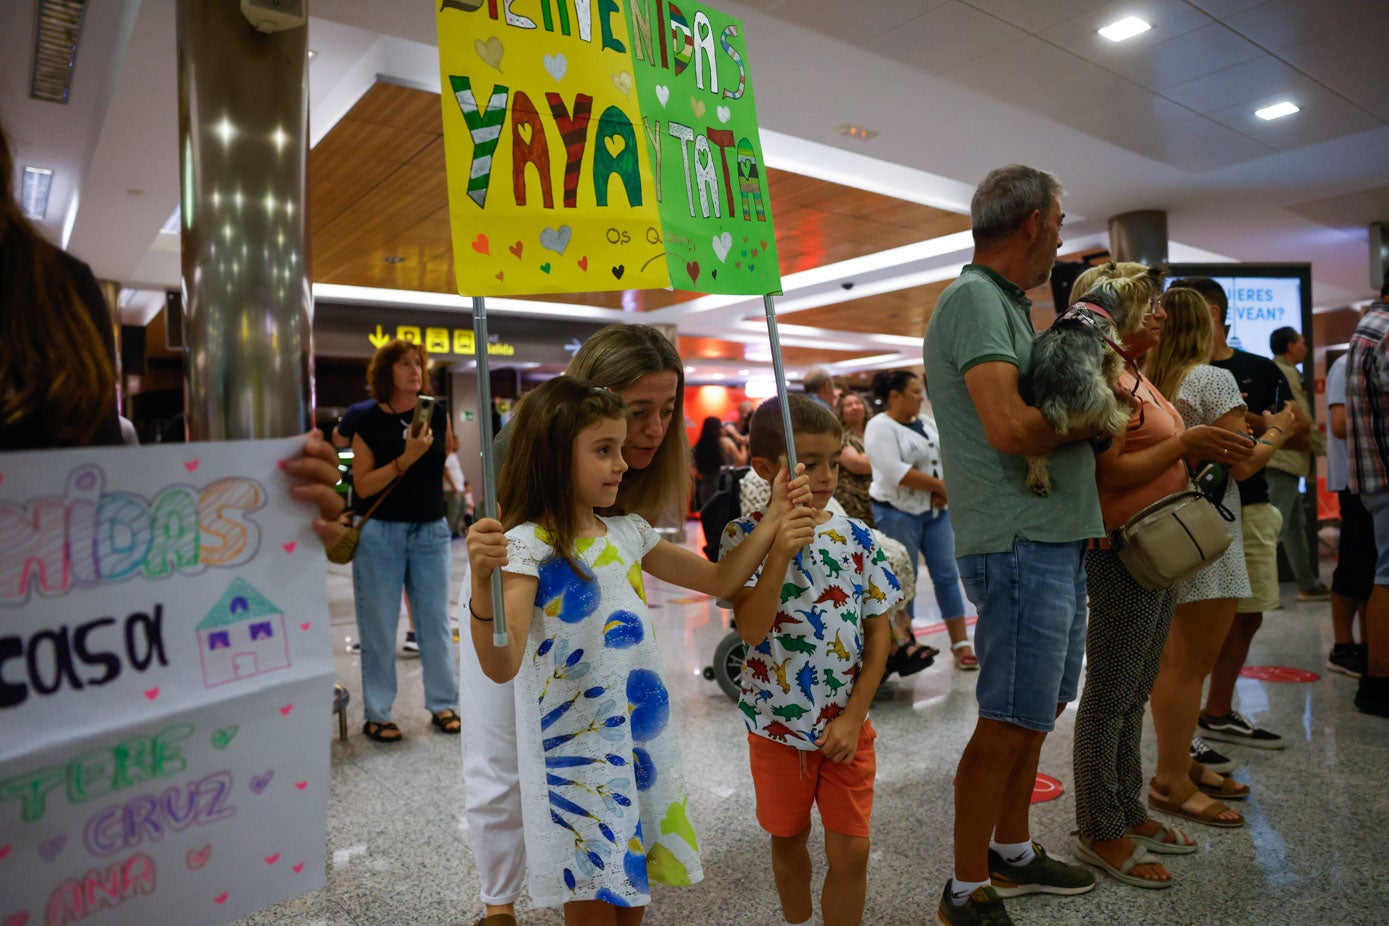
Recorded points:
(377, 731)
(444, 718)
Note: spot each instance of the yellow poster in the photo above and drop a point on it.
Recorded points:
(550, 181)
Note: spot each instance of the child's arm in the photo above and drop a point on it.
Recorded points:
(839, 742)
(487, 551)
(755, 607)
(724, 579)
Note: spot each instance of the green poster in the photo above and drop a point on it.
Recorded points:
(700, 122)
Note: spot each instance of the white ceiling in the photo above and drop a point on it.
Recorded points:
(954, 88)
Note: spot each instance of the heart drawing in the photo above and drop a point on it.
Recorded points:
(724, 113)
(305, 625)
(272, 859)
(692, 268)
(722, 245)
(152, 693)
(298, 868)
(222, 738)
(482, 245)
(221, 898)
(289, 547)
(556, 65)
(556, 239)
(516, 250)
(623, 81)
(490, 51)
(301, 785)
(197, 858)
(17, 919)
(284, 711)
(697, 106)
(663, 93)
(50, 848)
(190, 465)
(260, 782)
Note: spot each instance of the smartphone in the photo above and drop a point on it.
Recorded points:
(424, 409)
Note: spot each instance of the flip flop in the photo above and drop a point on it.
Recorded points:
(1168, 840)
(1172, 801)
(1139, 856)
(1227, 790)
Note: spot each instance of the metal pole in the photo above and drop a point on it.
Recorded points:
(780, 386)
(489, 467)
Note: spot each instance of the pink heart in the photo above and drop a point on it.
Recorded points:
(289, 547)
(197, 858)
(272, 859)
(17, 919)
(190, 465)
(301, 785)
(298, 868)
(152, 693)
(221, 898)
(286, 709)
(4, 850)
(304, 626)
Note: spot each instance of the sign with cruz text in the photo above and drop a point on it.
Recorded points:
(602, 145)
(165, 685)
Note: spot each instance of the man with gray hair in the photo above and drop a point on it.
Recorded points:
(819, 385)
(1021, 556)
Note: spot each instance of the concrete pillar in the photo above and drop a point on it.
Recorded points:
(243, 126)
(1139, 236)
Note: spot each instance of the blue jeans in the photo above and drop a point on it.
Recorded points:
(930, 534)
(391, 556)
(1031, 632)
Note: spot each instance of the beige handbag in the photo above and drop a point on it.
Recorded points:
(342, 551)
(1171, 539)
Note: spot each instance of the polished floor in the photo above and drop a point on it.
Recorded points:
(1316, 849)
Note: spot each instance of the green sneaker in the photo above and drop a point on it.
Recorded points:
(1042, 875)
(983, 908)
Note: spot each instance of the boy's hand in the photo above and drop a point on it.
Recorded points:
(839, 742)
(796, 530)
(486, 547)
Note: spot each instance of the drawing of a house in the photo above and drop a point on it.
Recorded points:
(242, 636)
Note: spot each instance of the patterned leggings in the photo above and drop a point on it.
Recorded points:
(1123, 650)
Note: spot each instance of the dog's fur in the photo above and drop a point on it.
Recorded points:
(1073, 375)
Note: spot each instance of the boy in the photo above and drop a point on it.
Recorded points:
(814, 620)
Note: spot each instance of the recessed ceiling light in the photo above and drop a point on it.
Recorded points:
(1277, 110)
(1125, 28)
(744, 372)
(689, 371)
(393, 259)
(33, 193)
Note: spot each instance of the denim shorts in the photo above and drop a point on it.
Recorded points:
(1030, 638)
(1377, 504)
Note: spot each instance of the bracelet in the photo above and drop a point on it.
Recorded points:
(399, 471)
(1274, 427)
(477, 616)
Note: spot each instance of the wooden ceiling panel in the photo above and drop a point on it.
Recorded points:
(902, 312)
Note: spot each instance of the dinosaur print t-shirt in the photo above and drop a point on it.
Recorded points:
(799, 678)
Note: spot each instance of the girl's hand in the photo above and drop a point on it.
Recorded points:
(416, 447)
(1205, 442)
(796, 530)
(318, 466)
(1285, 420)
(486, 547)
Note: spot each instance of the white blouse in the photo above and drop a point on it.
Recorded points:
(894, 449)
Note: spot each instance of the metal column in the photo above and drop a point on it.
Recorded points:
(243, 126)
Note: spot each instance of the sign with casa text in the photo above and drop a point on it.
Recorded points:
(165, 685)
(600, 146)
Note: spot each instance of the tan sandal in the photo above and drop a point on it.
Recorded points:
(1172, 802)
(1227, 790)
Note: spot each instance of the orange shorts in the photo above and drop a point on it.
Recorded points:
(788, 781)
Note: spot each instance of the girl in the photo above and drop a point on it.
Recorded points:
(601, 779)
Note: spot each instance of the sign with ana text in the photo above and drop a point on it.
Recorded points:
(165, 685)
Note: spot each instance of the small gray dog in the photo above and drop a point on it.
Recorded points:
(1074, 373)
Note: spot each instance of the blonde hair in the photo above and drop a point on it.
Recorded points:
(1131, 285)
(1186, 341)
(616, 357)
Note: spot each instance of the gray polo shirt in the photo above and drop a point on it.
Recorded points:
(983, 318)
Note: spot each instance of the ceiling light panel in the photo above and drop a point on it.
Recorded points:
(1277, 110)
(33, 193)
(1125, 28)
(55, 48)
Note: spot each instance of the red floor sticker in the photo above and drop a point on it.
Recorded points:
(1046, 789)
(1278, 674)
(939, 626)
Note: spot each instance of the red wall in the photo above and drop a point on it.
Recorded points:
(703, 401)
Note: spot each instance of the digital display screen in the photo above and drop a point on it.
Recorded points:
(1260, 305)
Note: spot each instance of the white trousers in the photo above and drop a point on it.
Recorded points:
(491, 783)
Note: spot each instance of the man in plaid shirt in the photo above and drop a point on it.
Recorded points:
(1367, 418)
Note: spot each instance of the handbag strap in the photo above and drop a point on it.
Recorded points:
(377, 504)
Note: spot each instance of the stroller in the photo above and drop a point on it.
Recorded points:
(721, 508)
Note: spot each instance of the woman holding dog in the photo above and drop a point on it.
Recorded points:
(1206, 602)
(1128, 624)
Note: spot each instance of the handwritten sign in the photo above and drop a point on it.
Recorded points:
(604, 145)
(164, 673)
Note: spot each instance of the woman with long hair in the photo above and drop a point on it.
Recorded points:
(714, 450)
(642, 367)
(1206, 603)
(405, 544)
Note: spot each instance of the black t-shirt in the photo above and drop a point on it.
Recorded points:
(1265, 389)
(419, 496)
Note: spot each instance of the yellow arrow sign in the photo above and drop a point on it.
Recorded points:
(379, 339)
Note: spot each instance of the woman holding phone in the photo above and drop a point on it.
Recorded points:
(398, 455)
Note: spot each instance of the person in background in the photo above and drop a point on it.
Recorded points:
(908, 497)
(1354, 577)
(1264, 389)
(819, 385)
(405, 545)
(453, 488)
(1288, 468)
(855, 472)
(1367, 411)
(712, 452)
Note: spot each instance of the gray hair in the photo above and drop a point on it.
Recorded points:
(1006, 197)
(816, 380)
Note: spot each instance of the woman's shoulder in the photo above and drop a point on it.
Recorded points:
(1211, 379)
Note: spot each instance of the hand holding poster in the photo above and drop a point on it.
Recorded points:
(165, 675)
(642, 168)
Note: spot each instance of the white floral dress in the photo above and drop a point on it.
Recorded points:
(602, 785)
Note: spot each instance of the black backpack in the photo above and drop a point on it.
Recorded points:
(722, 507)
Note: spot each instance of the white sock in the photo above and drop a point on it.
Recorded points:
(1014, 853)
(960, 890)
(810, 922)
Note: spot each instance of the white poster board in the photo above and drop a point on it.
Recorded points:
(165, 685)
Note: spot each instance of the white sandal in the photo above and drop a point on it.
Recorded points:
(1157, 842)
(1139, 856)
(965, 662)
